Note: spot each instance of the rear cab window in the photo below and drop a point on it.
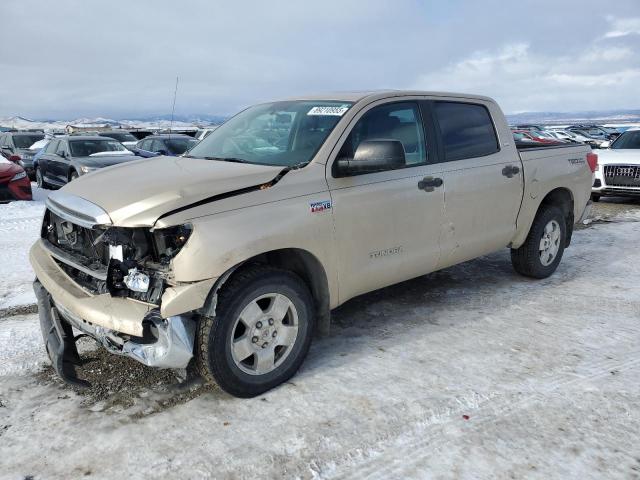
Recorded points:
(466, 130)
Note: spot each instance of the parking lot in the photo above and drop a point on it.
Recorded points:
(470, 372)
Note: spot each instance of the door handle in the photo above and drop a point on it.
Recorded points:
(428, 184)
(510, 170)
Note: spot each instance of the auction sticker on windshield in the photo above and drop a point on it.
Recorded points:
(336, 111)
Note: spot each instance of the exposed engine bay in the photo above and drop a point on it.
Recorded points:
(124, 262)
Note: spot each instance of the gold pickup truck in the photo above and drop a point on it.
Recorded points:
(233, 255)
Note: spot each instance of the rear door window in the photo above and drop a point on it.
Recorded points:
(466, 130)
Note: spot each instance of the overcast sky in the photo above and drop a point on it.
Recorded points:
(65, 59)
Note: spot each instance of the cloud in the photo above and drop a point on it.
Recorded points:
(523, 79)
(622, 27)
(120, 58)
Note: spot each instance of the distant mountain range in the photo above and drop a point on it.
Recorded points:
(150, 122)
(204, 120)
(567, 118)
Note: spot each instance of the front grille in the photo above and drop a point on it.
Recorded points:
(85, 256)
(622, 175)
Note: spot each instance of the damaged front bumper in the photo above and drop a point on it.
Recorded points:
(168, 344)
(155, 336)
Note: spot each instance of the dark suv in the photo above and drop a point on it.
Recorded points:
(15, 147)
(66, 158)
(165, 144)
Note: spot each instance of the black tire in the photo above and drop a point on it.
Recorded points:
(595, 197)
(40, 179)
(214, 359)
(526, 260)
(73, 175)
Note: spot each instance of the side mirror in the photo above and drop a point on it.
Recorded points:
(373, 156)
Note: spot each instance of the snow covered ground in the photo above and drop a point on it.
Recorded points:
(19, 228)
(471, 372)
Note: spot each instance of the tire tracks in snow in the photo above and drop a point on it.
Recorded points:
(379, 461)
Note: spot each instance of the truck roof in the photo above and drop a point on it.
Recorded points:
(356, 96)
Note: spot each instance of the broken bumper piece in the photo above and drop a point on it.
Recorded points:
(166, 342)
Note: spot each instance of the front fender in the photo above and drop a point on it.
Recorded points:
(221, 241)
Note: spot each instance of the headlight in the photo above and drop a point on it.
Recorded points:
(169, 241)
(19, 176)
(85, 169)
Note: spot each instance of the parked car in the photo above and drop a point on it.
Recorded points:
(536, 136)
(122, 136)
(15, 146)
(173, 144)
(14, 182)
(235, 253)
(65, 159)
(523, 137)
(568, 136)
(619, 170)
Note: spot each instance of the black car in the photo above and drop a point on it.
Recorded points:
(15, 147)
(66, 158)
(172, 144)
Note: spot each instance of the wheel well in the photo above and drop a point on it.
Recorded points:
(562, 198)
(303, 264)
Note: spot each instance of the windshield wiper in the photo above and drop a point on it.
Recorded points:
(228, 159)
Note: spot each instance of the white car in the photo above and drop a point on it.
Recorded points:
(619, 167)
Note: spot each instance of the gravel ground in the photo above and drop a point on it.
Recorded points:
(471, 372)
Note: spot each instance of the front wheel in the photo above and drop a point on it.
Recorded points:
(595, 197)
(73, 175)
(541, 253)
(261, 332)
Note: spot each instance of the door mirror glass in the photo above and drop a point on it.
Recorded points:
(373, 156)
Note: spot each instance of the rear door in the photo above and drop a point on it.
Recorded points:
(387, 228)
(483, 180)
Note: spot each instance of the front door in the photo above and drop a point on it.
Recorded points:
(387, 223)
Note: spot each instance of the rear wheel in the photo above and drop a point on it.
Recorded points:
(541, 253)
(261, 332)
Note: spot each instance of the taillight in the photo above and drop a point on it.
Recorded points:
(15, 158)
(592, 160)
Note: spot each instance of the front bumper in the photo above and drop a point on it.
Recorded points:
(124, 326)
(16, 190)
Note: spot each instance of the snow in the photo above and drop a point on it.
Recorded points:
(19, 229)
(471, 372)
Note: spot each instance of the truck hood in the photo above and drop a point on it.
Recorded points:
(137, 193)
(625, 156)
